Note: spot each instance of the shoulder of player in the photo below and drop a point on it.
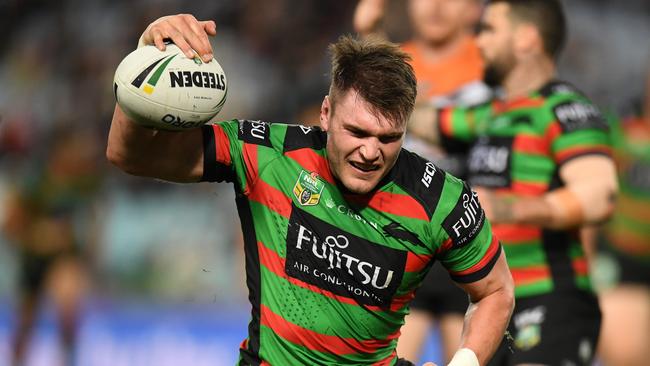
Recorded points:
(300, 137)
(570, 108)
(280, 136)
(421, 179)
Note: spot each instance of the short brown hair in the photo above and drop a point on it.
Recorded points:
(547, 16)
(379, 71)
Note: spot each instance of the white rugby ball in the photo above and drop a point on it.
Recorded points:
(166, 90)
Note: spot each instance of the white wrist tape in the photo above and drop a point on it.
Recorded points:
(464, 357)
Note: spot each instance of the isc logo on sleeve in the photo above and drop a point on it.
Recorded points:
(255, 132)
(429, 172)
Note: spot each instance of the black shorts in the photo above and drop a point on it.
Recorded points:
(35, 267)
(613, 268)
(439, 295)
(553, 329)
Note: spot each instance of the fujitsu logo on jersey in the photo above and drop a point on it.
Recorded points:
(489, 162)
(470, 203)
(466, 219)
(489, 159)
(327, 257)
(331, 250)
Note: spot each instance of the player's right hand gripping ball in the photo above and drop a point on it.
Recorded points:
(168, 91)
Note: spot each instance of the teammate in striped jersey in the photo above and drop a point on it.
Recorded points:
(622, 266)
(540, 161)
(340, 223)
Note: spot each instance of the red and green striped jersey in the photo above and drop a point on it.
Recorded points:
(330, 274)
(629, 229)
(517, 148)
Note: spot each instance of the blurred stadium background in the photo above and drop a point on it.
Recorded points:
(164, 261)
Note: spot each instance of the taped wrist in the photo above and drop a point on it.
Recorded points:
(464, 357)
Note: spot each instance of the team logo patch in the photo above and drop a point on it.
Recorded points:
(308, 189)
(529, 327)
(528, 337)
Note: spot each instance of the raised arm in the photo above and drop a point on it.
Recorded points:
(172, 156)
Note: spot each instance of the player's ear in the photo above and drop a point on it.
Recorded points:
(527, 39)
(325, 110)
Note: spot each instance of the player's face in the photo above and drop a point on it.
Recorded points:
(496, 40)
(361, 146)
(437, 21)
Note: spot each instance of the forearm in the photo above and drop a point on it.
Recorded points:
(491, 305)
(587, 197)
(485, 324)
(161, 154)
(557, 210)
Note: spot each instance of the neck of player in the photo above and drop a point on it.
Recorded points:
(528, 76)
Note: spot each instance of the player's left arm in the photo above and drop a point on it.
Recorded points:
(587, 197)
(488, 314)
(475, 260)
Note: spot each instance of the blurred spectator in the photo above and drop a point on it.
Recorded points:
(48, 218)
(622, 266)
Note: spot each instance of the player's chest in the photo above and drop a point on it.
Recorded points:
(509, 147)
(344, 248)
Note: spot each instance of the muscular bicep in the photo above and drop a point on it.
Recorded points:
(498, 279)
(171, 156)
(591, 179)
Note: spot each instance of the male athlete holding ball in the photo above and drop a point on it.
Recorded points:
(340, 223)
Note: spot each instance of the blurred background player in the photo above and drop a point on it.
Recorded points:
(449, 69)
(540, 163)
(622, 266)
(47, 217)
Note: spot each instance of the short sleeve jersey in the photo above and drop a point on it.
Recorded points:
(517, 148)
(330, 274)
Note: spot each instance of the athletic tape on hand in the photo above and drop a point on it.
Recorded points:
(464, 357)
